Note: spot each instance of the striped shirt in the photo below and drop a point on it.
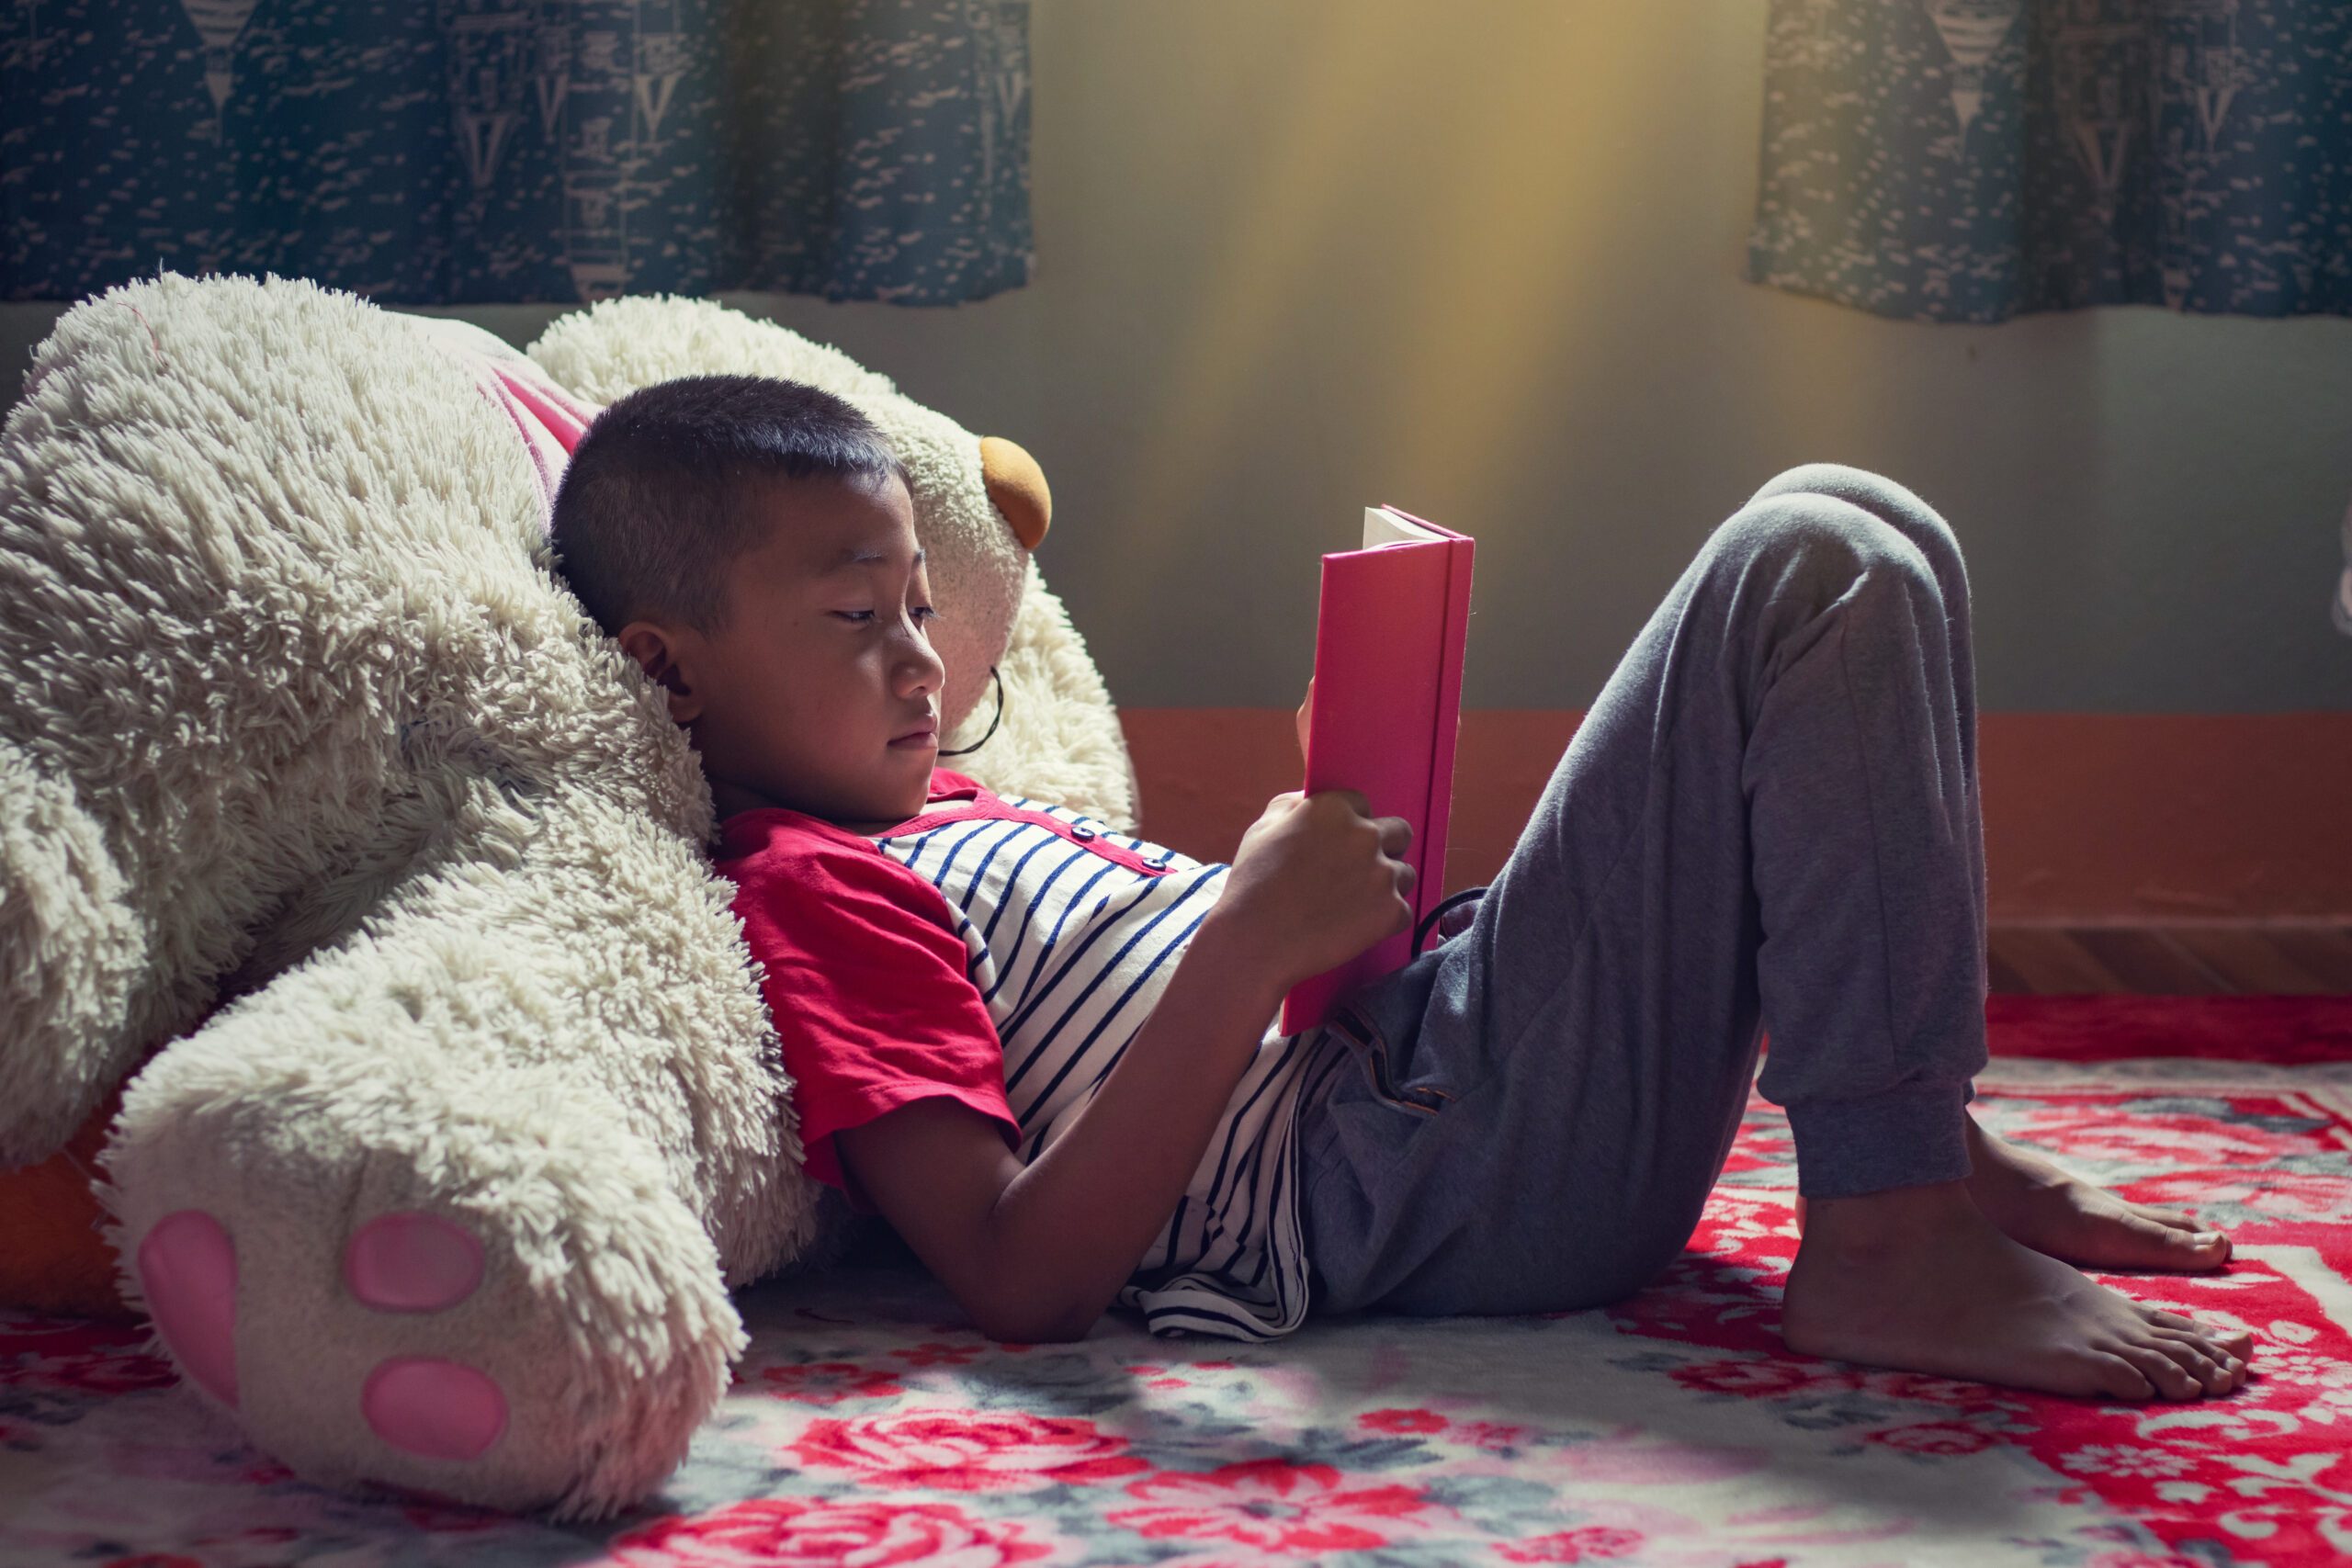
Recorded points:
(1069, 931)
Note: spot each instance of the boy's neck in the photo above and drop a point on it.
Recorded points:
(728, 799)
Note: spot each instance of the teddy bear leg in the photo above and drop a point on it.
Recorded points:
(479, 1286)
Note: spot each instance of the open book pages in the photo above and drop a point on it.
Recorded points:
(1384, 526)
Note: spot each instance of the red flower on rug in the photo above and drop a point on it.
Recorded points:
(1933, 1438)
(93, 1372)
(2100, 1128)
(1586, 1545)
(2285, 1194)
(966, 1450)
(796, 1532)
(1156, 1376)
(1761, 1377)
(1402, 1420)
(829, 1382)
(930, 1354)
(1270, 1503)
(1932, 1389)
(1495, 1437)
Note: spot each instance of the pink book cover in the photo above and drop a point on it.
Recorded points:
(1389, 635)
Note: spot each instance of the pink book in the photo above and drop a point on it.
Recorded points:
(1388, 704)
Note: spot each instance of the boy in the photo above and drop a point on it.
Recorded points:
(1041, 1050)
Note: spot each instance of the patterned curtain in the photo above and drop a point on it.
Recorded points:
(1973, 160)
(449, 151)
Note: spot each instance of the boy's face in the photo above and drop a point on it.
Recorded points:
(821, 692)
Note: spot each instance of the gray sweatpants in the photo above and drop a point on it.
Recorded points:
(1768, 821)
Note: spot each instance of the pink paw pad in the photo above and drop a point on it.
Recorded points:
(412, 1262)
(188, 1266)
(438, 1409)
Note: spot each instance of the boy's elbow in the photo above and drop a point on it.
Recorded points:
(1054, 1333)
(1067, 1331)
(1036, 1328)
(1035, 1322)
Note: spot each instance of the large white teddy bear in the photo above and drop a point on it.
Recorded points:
(470, 1113)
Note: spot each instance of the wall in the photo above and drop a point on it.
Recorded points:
(1482, 260)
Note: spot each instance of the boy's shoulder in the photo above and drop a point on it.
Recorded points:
(803, 884)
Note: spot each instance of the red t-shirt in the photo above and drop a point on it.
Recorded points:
(865, 977)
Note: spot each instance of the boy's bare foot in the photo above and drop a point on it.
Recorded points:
(2034, 1202)
(1919, 1278)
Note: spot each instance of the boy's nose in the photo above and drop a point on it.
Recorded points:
(923, 669)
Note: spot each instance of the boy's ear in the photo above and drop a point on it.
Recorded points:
(658, 652)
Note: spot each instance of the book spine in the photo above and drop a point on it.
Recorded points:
(1428, 888)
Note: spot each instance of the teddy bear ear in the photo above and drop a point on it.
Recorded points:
(1017, 485)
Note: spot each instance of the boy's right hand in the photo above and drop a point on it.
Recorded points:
(1316, 881)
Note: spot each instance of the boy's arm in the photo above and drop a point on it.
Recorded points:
(1037, 1252)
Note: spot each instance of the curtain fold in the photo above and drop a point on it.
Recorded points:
(1973, 160)
(456, 152)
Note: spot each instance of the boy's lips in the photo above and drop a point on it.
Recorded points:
(927, 735)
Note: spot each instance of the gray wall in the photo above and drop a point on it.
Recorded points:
(1481, 259)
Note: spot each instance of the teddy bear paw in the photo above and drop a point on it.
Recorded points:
(403, 1262)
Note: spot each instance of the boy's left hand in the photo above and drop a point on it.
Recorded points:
(1304, 703)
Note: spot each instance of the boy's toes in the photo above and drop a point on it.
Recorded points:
(2168, 1376)
(2120, 1378)
(2231, 1341)
(2132, 1240)
(2199, 1360)
(2201, 1248)
(2233, 1367)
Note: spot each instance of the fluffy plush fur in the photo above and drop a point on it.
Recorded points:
(294, 717)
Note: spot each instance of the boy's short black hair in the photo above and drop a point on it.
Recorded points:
(655, 502)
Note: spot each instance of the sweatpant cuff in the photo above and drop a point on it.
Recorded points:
(1906, 1137)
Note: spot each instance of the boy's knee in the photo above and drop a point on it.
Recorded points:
(1872, 492)
(1819, 546)
(1876, 494)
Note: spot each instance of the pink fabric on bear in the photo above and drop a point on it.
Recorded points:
(546, 419)
(438, 1409)
(412, 1262)
(549, 419)
(187, 1267)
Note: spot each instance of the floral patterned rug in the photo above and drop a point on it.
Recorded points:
(868, 1426)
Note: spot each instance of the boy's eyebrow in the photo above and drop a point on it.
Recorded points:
(851, 555)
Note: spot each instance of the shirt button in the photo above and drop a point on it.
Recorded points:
(1081, 832)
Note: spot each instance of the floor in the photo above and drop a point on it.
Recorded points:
(868, 1422)
(2190, 960)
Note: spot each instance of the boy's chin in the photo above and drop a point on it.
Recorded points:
(912, 794)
